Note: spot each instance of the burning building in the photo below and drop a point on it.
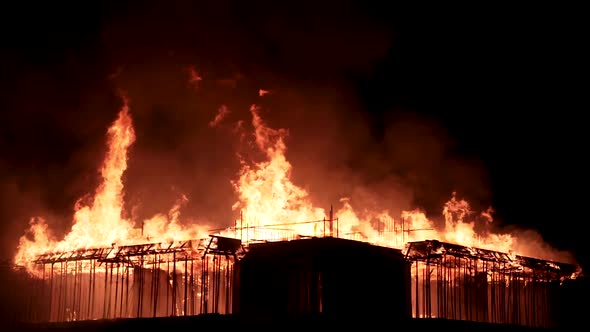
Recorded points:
(295, 279)
(283, 257)
(464, 283)
(135, 281)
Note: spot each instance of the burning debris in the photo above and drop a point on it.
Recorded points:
(194, 77)
(221, 114)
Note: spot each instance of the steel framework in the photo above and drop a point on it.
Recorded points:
(464, 283)
(146, 280)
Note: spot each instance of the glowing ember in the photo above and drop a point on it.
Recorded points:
(221, 114)
(194, 77)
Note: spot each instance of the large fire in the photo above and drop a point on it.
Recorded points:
(101, 223)
(270, 207)
(273, 207)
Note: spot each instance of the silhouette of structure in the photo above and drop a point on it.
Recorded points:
(319, 279)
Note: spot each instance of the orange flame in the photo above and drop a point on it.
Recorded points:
(101, 223)
(102, 220)
(266, 194)
(272, 208)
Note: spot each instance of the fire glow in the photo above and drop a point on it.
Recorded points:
(270, 207)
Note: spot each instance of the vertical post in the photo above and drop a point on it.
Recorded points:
(51, 293)
(91, 290)
(80, 293)
(218, 277)
(174, 286)
(140, 287)
(64, 298)
(417, 291)
(110, 290)
(193, 310)
(167, 283)
(153, 292)
(127, 289)
(227, 284)
(185, 283)
(205, 284)
(73, 311)
(42, 314)
(123, 268)
(331, 221)
(158, 276)
(59, 292)
(104, 302)
(116, 291)
(427, 289)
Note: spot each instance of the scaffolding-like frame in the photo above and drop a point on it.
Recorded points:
(459, 282)
(178, 278)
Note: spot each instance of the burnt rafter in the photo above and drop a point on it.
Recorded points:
(177, 250)
(178, 278)
(433, 249)
(75, 255)
(221, 245)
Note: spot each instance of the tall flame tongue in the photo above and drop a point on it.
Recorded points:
(98, 224)
(268, 198)
(274, 208)
(101, 224)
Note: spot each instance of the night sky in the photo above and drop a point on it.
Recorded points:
(496, 95)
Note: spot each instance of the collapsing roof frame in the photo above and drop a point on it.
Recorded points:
(430, 250)
(192, 249)
(437, 269)
(415, 251)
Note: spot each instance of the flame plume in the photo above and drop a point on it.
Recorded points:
(266, 194)
(101, 224)
(271, 206)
